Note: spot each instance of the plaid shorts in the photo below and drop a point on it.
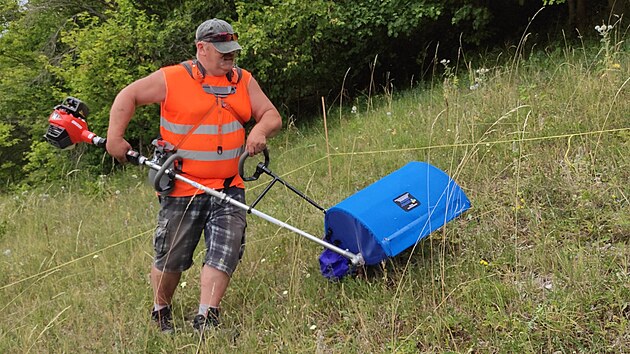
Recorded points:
(181, 221)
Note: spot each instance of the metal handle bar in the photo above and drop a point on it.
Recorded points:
(259, 168)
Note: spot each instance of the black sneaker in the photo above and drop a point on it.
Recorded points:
(211, 320)
(164, 319)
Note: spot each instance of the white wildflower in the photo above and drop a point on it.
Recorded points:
(482, 71)
(313, 327)
(285, 292)
(183, 284)
(354, 109)
(604, 29)
(7, 252)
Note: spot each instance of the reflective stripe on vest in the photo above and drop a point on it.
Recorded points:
(183, 129)
(211, 155)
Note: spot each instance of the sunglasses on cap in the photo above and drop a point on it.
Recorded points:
(220, 37)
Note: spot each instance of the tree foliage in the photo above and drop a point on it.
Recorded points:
(297, 49)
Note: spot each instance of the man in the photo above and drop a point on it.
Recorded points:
(203, 106)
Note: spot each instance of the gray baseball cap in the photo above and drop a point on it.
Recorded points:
(220, 34)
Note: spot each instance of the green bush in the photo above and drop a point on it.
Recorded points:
(302, 49)
(298, 50)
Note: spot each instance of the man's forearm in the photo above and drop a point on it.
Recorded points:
(270, 124)
(120, 115)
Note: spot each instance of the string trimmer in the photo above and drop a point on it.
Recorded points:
(375, 223)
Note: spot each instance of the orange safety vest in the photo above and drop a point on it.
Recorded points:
(211, 153)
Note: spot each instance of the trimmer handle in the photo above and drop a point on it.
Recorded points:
(133, 156)
(260, 168)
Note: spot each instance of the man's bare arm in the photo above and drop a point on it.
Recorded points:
(268, 120)
(150, 89)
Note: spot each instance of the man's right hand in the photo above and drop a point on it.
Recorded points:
(118, 147)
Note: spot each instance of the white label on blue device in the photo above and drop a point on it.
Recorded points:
(406, 201)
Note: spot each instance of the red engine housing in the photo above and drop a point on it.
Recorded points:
(68, 125)
(65, 130)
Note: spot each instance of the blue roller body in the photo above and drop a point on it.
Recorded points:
(396, 212)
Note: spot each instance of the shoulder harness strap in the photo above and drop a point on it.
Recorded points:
(197, 72)
(188, 66)
(239, 75)
(233, 76)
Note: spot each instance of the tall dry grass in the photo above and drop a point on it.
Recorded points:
(541, 263)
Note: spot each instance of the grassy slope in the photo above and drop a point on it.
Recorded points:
(540, 264)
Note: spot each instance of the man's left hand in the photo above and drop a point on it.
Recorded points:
(256, 142)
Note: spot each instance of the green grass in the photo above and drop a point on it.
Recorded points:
(541, 263)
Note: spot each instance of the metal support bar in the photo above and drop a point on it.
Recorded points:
(262, 168)
(261, 195)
